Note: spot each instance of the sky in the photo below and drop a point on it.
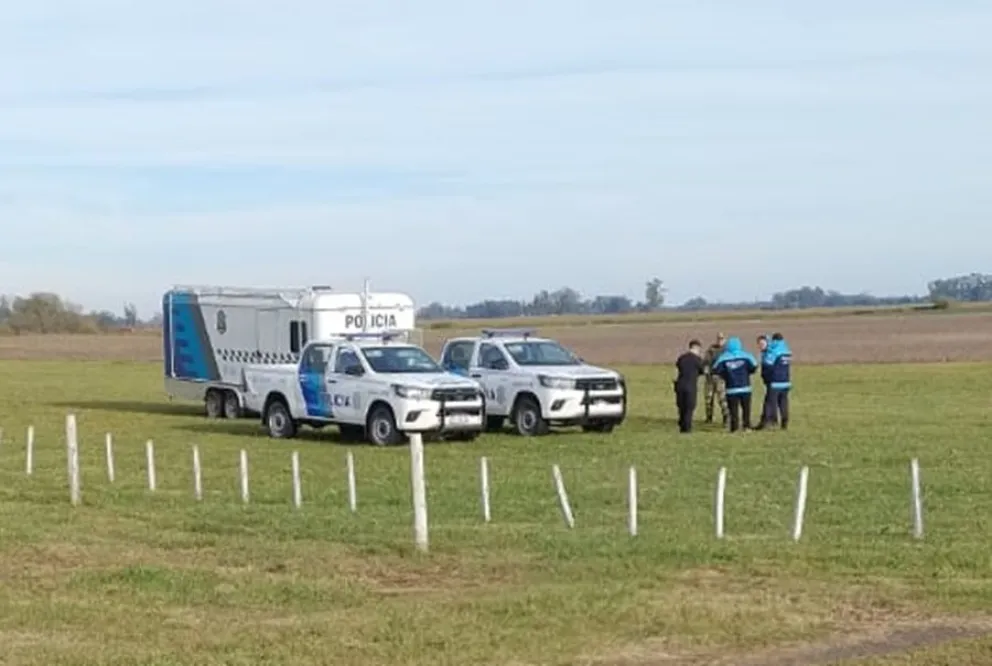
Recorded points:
(465, 150)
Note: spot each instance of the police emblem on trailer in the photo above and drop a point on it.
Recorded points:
(221, 322)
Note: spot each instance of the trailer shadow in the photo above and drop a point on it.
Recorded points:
(133, 407)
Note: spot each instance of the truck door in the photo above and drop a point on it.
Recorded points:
(313, 381)
(491, 369)
(345, 386)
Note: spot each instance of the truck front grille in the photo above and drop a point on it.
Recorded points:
(455, 394)
(596, 384)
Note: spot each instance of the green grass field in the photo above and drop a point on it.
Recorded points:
(154, 578)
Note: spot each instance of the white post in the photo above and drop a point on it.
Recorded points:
(484, 479)
(721, 492)
(150, 462)
(566, 508)
(72, 450)
(797, 525)
(914, 471)
(297, 489)
(109, 445)
(244, 476)
(352, 486)
(632, 501)
(197, 474)
(29, 453)
(419, 487)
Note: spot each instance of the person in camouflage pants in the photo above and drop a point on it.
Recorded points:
(715, 390)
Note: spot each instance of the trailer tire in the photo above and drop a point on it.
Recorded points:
(381, 427)
(213, 404)
(232, 405)
(278, 421)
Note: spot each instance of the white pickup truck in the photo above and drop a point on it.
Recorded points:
(370, 387)
(536, 383)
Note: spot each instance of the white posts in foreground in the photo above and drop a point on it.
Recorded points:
(797, 524)
(487, 515)
(566, 508)
(297, 487)
(72, 457)
(352, 489)
(418, 485)
(150, 464)
(29, 452)
(721, 492)
(916, 498)
(632, 501)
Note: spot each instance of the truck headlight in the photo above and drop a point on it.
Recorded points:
(411, 392)
(560, 383)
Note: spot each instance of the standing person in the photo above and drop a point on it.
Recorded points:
(714, 387)
(736, 365)
(690, 367)
(779, 364)
(767, 413)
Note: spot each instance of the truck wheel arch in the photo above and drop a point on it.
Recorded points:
(275, 396)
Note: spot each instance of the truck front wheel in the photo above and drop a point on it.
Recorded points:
(527, 418)
(278, 421)
(381, 429)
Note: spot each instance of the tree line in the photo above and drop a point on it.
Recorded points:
(49, 313)
(44, 312)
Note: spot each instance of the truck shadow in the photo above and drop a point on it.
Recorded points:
(252, 428)
(133, 407)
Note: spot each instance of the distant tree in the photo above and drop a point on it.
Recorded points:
(130, 315)
(654, 294)
(966, 288)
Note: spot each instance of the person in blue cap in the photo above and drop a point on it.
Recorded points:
(776, 370)
(736, 365)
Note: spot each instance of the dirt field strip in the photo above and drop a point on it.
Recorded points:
(880, 642)
(918, 338)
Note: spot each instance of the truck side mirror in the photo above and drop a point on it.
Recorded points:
(354, 371)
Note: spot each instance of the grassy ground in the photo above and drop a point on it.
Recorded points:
(136, 577)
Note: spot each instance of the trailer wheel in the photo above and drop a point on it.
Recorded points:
(381, 429)
(214, 404)
(278, 421)
(232, 406)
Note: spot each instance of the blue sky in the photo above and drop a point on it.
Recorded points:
(463, 150)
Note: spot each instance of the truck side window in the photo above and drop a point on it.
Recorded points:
(315, 360)
(346, 359)
(491, 358)
(458, 355)
(294, 337)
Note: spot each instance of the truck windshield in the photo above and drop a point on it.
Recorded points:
(389, 360)
(541, 353)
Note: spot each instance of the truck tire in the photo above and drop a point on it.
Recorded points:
(278, 421)
(232, 406)
(527, 418)
(381, 428)
(213, 404)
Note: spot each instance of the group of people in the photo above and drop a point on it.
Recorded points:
(726, 368)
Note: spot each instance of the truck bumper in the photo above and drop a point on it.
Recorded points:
(580, 407)
(431, 416)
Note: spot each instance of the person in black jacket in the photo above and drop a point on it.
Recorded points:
(690, 369)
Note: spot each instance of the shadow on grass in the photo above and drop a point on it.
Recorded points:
(134, 407)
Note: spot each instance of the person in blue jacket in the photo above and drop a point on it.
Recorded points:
(736, 365)
(776, 370)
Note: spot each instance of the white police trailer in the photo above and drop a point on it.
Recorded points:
(372, 386)
(536, 383)
(211, 333)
